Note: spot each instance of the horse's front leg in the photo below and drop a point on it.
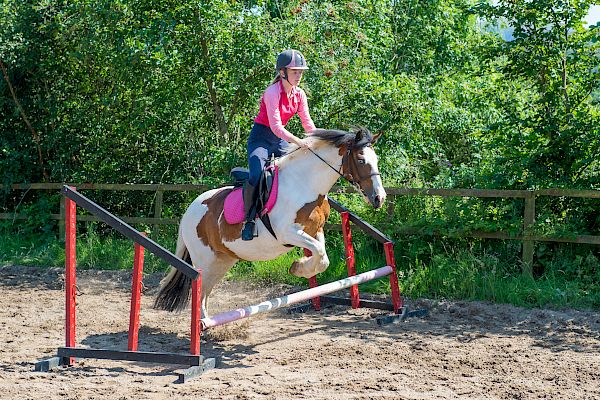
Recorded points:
(307, 267)
(324, 262)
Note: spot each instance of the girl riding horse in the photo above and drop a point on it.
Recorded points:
(212, 245)
(280, 102)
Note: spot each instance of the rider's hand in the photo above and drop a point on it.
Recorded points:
(302, 143)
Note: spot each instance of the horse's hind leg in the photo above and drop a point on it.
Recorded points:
(213, 267)
(212, 274)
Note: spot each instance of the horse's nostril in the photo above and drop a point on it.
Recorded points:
(377, 201)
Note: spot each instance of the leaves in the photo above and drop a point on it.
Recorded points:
(166, 91)
(555, 58)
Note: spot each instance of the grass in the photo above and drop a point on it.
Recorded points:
(466, 275)
(436, 268)
(94, 251)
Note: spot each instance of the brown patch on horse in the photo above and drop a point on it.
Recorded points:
(212, 229)
(312, 216)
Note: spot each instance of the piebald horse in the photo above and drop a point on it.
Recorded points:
(209, 243)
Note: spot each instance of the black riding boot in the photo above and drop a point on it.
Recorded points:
(249, 231)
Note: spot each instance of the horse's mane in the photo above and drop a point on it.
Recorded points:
(339, 138)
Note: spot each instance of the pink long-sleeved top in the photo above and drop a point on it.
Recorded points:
(277, 107)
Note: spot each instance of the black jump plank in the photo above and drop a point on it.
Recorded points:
(101, 354)
(342, 301)
(127, 230)
(403, 315)
(48, 364)
(345, 301)
(195, 371)
(365, 226)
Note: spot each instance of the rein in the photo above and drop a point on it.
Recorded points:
(329, 165)
(350, 179)
(355, 184)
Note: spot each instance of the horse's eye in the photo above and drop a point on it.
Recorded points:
(361, 161)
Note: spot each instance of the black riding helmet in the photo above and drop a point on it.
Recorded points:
(291, 59)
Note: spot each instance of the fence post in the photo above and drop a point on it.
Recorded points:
(61, 219)
(391, 205)
(157, 210)
(528, 243)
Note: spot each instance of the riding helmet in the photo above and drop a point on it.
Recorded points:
(291, 59)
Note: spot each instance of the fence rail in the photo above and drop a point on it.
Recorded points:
(526, 237)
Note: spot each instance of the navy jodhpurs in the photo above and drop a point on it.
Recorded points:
(261, 144)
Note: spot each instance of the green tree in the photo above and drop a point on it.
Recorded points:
(551, 132)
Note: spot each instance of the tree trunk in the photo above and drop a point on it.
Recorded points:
(36, 137)
(220, 117)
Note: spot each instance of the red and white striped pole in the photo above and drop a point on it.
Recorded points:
(273, 304)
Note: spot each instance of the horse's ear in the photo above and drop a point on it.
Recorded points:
(376, 137)
(360, 134)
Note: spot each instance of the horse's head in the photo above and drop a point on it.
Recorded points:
(359, 166)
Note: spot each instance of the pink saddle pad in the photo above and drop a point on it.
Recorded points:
(234, 202)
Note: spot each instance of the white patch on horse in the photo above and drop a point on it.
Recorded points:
(294, 173)
(378, 189)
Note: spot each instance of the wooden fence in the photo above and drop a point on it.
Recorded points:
(529, 197)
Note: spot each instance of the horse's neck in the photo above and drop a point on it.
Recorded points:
(303, 168)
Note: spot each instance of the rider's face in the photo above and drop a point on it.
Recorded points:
(295, 76)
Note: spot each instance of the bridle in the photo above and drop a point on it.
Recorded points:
(352, 166)
(347, 175)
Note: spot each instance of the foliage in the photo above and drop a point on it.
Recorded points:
(94, 251)
(552, 134)
(163, 91)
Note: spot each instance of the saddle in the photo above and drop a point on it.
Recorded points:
(264, 199)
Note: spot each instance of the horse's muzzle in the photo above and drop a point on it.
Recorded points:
(377, 201)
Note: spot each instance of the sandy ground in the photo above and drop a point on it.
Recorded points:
(462, 350)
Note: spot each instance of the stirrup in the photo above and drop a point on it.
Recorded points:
(249, 231)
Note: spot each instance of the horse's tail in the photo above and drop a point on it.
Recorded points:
(175, 288)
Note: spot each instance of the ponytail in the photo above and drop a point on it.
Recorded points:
(276, 79)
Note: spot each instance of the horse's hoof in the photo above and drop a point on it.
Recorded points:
(294, 268)
(322, 267)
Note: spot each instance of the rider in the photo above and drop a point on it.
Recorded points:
(280, 101)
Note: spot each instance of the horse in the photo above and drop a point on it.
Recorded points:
(209, 243)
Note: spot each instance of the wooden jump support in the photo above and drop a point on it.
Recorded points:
(196, 363)
(66, 355)
(400, 311)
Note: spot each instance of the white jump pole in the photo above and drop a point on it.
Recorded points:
(273, 304)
